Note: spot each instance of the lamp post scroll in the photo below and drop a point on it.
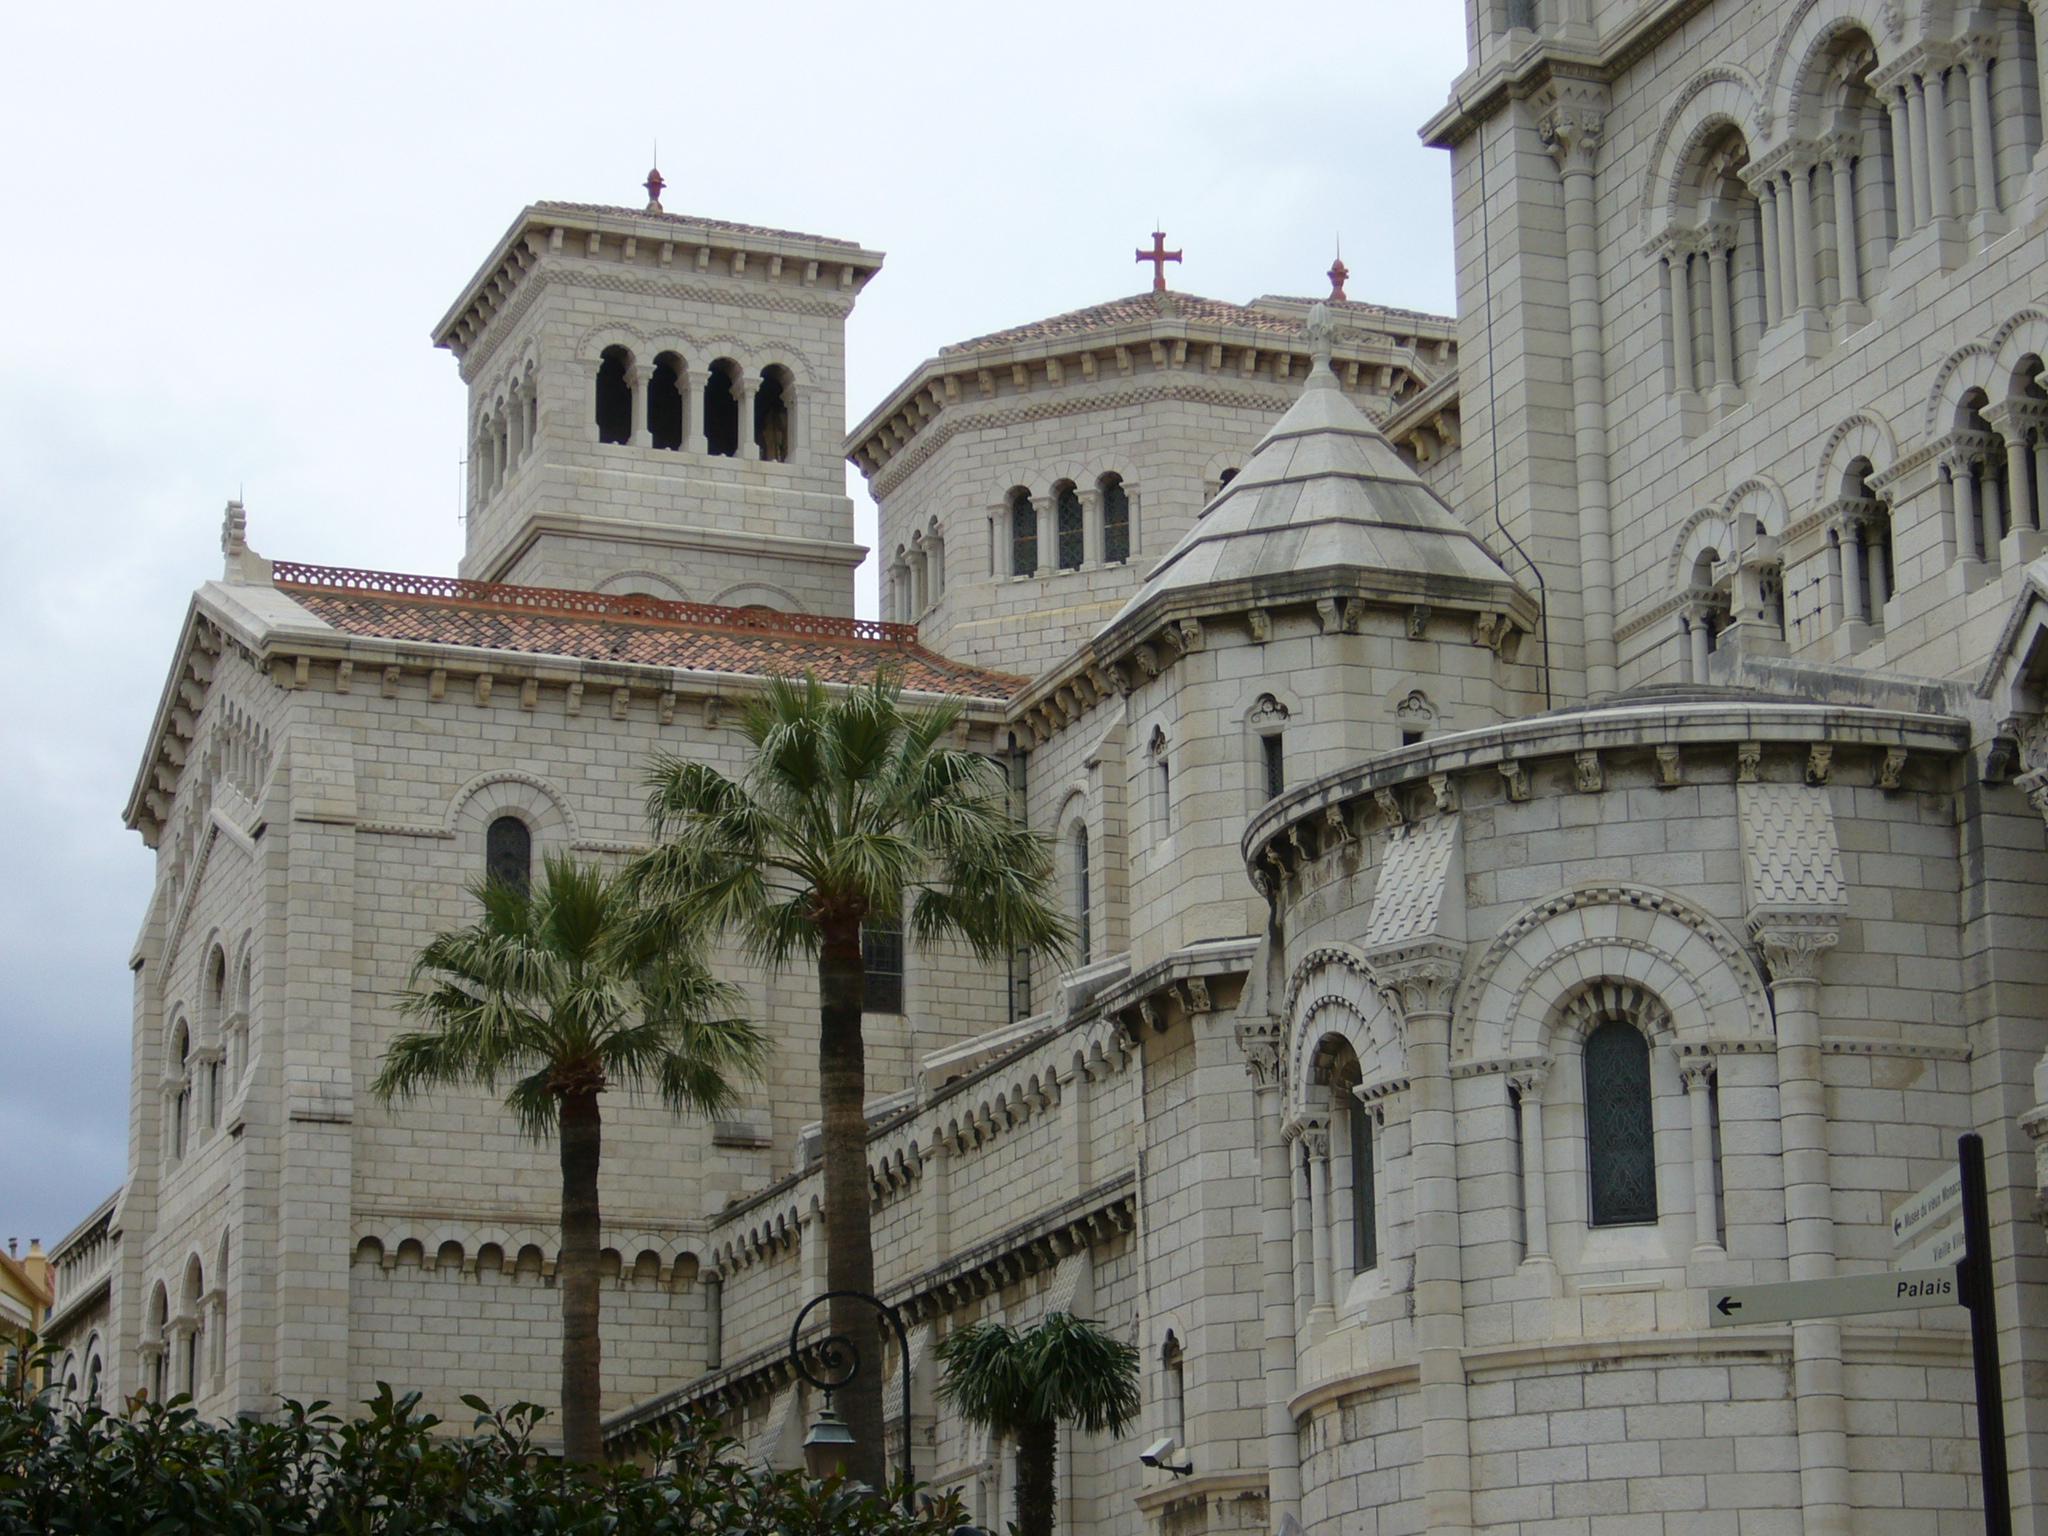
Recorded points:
(838, 1363)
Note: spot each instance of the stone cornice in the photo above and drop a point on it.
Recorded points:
(1475, 99)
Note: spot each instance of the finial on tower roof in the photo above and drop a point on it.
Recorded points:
(654, 184)
(1338, 272)
(1322, 338)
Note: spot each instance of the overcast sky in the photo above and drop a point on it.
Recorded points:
(231, 228)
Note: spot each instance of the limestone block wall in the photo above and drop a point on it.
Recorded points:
(1854, 389)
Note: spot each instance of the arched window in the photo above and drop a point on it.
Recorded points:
(1174, 1397)
(1226, 477)
(1068, 524)
(665, 402)
(1162, 777)
(1116, 518)
(1084, 945)
(722, 409)
(508, 853)
(614, 397)
(1365, 1205)
(771, 414)
(181, 1105)
(1621, 1154)
(1023, 534)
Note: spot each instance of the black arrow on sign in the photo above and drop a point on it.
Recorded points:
(1727, 1305)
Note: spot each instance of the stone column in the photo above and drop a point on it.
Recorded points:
(1417, 983)
(1774, 296)
(746, 389)
(1793, 953)
(1940, 205)
(1802, 235)
(1855, 553)
(1991, 504)
(1699, 638)
(938, 1198)
(1047, 508)
(1528, 1083)
(1718, 302)
(1915, 89)
(2019, 500)
(1963, 477)
(1343, 1203)
(1902, 159)
(1681, 319)
(1304, 1223)
(1697, 1073)
(2039, 437)
(1315, 1141)
(1977, 55)
(1264, 1053)
(636, 380)
(1843, 167)
(1788, 253)
(1572, 129)
(1091, 528)
(515, 403)
(1880, 587)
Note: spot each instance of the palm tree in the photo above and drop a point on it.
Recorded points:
(563, 993)
(851, 810)
(1025, 1384)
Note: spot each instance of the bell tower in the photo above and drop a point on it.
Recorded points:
(656, 405)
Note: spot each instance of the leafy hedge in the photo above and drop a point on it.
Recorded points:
(162, 1470)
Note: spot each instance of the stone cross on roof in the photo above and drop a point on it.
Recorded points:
(1159, 256)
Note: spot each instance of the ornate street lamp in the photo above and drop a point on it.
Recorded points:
(829, 1435)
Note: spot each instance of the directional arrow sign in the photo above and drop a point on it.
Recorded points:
(1842, 1296)
(1933, 1206)
(1943, 1248)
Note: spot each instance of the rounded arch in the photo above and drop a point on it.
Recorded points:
(1861, 436)
(1715, 99)
(641, 583)
(1634, 934)
(1814, 30)
(592, 345)
(761, 594)
(1759, 497)
(1973, 365)
(1707, 531)
(499, 792)
(2023, 337)
(774, 426)
(191, 1284)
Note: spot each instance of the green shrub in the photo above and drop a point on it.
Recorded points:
(161, 1469)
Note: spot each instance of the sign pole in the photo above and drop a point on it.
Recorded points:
(1973, 1275)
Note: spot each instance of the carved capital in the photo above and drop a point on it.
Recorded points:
(1312, 1130)
(1749, 758)
(1264, 1045)
(2035, 786)
(1793, 951)
(1418, 981)
(1573, 125)
(1696, 1072)
(1528, 1080)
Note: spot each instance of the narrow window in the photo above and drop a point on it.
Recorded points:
(1276, 766)
(1069, 522)
(1620, 1147)
(1083, 938)
(881, 953)
(1023, 534)
(614, 397)
(665, 402)
(184, 1099)
(722, 409)
(771, 414)
(508, 854)
(1173, 1363)
(1165, 795)
(1365, 1241)
(1225, 478)
(1116, 519)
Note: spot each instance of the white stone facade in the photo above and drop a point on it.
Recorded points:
(1477, 968)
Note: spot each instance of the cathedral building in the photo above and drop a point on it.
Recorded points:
(1554, 803)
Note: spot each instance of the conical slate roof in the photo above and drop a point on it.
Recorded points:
(1325, 493)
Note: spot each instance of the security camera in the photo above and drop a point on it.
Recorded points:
(1166, 1456)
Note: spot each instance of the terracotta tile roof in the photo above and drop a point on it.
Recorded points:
(644, 631)
(691, 221)
(1139, 309)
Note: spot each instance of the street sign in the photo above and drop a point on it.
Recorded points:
(1838, 1296)
(1932, 1207)
(1946, 1247)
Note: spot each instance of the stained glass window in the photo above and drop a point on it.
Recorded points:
(508, 853)
(1069, 526)
(1620, 1144)
(1116, 519)
(1023, 535)
(1365, 1244)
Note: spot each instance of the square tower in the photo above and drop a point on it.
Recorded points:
(656, 404)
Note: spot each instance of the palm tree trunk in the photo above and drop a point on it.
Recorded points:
(849, 1238)
(581, 1134)
(1037, 1454)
